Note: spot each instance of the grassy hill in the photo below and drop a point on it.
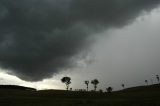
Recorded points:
(137, 96)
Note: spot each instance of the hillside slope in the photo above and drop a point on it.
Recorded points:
(137, 96)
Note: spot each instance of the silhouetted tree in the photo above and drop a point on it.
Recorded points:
(95, 82)
(87, 83)
(146, 81)
(157, 76)
(67, 81)
(123, 86)
(101, 91)
(109, 89)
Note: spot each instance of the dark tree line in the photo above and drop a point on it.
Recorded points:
(67, 81)
(157, 78)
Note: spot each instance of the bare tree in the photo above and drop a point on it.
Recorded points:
(95, 82)
(123, 86)
(157, 76)
(67, 81)
(101, 91)
(109, 89)
(146, 81)
(87, 83)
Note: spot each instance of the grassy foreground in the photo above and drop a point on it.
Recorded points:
(138, 96)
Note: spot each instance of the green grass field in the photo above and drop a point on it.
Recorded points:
(138, 96)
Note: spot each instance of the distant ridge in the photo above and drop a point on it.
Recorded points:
(16, 87)
(154, 87)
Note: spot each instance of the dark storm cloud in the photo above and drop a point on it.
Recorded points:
(40, 37)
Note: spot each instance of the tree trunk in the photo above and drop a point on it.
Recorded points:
(67, 87)
(95, 87)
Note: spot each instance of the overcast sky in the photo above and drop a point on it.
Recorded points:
(115, 51)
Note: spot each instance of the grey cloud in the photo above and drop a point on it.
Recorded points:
(39, 38)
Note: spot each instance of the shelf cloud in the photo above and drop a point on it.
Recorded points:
(39, 38)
